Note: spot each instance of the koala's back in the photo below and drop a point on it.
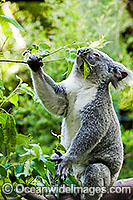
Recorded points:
(110, 149)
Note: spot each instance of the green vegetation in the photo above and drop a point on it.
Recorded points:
(28, 133)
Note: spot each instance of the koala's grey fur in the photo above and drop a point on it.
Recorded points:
(90, 128)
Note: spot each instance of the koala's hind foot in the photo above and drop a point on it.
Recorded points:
(34, 62)
(97, 179)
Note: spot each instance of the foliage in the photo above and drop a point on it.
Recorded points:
(12, 21)
(25, 127)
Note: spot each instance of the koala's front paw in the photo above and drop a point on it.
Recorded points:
(34, 62)
(63, 167)
(62, 164)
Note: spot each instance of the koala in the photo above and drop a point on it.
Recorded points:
(90, 128)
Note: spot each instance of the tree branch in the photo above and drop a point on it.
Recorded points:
(25, 62)
(13, 61)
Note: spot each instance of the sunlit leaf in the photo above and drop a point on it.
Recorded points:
(27, 89)
(1, 85)
(1, 94)
(37, 150)
(33, 49)
(44, 49)
(44, 46)
(3, 117)
(14, 100)
(12, 21)
(60, 147)
(98, 44)
(71, 54)
(86, 70)
(22, 139)
(27, 168)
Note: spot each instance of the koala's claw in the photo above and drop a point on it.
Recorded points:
(34, 62)
(56, 160)
(62, 172)
(61, 166)
(58, 152)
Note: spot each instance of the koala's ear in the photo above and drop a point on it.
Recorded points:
(118, 73)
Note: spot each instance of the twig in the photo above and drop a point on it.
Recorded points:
(25, 62)
(4, 43)
(55, 60)
(49, 54)
(61, 48)
(14, 61)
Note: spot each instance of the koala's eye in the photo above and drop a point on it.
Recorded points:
(96, 55)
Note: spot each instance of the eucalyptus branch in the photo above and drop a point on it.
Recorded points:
(13, 61)
(49, 54)
(25, 62)
(61, 48)
(55, 60)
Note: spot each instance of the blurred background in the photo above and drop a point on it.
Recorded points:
(59, 23)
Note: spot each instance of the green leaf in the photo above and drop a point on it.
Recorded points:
(39, 167)
(49, 165)
(1, 141)
(44, 49)
(44, 46)
(1, 85)
(19, 168)
(14, 100)
(13, 22)
(10, 134)
(22, 139)
(37, 150)
(1, 94)
(3, 118)
(60, 147)
(73, 180)
(98, 44)
(86, 70)
(3, 172)
(33, 48)
(27, 168)
(27, 89)
(71, 54)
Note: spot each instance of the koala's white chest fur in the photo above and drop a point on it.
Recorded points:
(79, 93)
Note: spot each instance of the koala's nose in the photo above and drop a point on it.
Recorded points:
(81, 50)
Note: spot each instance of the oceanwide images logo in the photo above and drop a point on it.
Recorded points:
(8, 188)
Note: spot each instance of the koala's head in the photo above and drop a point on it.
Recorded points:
(102, 67)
